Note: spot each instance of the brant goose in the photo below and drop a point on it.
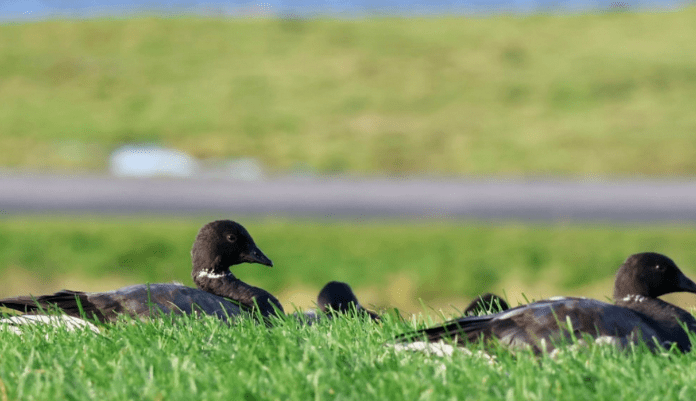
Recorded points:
(335, 298)
(338, 297)
(218, 245)
(637, 315)
(485, 304)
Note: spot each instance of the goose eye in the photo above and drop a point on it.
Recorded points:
(231, 237)
(659, 268)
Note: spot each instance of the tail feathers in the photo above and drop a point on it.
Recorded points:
(467, 329)
(462, 331)
(72, 303)
(372, 315)
(22, 304)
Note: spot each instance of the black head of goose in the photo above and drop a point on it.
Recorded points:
(484, 304)
(338, 297)
(637, 315)
(335, 298)
(219, 245)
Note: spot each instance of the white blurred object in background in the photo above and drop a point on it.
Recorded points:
(151, 161)
(245, 169)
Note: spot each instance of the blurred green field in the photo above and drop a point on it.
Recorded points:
(606, 94)
(390, 264)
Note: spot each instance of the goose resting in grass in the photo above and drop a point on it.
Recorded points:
(637, 315)
(218, 245)
(484, 304)
(338, 298)
(334, 299)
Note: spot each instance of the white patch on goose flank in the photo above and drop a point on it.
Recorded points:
(438, 349)
(69, 323)
(441, 349)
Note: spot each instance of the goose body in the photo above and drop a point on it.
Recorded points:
(637, 315)
(218, 245)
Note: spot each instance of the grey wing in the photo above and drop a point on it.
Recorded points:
(545, 324)
(150, 300)
(72, 303)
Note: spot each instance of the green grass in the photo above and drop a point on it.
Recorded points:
(389, 263)
(345, 359)
(607, 93)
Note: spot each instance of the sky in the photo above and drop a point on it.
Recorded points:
(18, 10)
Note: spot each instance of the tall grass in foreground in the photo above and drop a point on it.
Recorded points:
(345, 359)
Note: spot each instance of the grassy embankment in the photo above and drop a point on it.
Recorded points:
(389, 264)
(607, 94)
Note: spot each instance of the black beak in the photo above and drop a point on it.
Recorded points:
(686, 284)
(254, 255)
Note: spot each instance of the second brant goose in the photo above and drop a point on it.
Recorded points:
(218, 245)
(485, 304)
(338, 297)
(637, 315)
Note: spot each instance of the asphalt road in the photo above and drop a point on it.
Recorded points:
(481, 199)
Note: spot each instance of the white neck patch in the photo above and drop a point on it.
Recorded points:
(634, 298)
(211, 275)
